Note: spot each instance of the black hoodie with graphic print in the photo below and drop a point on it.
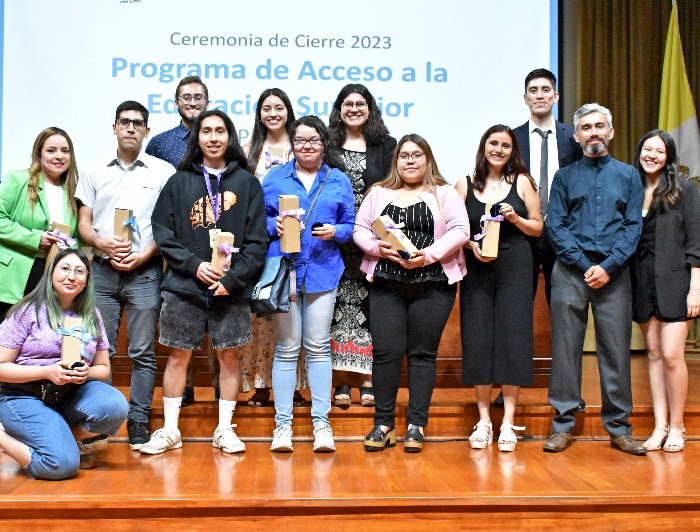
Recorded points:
(183, 217)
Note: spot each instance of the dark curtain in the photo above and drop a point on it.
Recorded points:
(621, 47)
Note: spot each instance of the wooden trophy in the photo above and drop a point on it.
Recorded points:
(395, 237)
(70, 345)
(218, 257)
(290, 242)
(489, 244)
(53, 251)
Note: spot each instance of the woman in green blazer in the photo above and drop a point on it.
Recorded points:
(30, 200)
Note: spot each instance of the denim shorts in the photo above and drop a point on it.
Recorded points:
(183, 322)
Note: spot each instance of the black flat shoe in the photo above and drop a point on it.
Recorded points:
(377, 439)
(413, 441)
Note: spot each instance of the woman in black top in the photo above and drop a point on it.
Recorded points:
(496, 295)
(666, 282)
(359, 133)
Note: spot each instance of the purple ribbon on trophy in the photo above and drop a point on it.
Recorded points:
(487, 218)
(294, 213)
(229, 250)
(65, 240)
(77, 332)
(131, 222)
(392, 227)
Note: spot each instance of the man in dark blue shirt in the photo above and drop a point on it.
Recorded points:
(192, 99)
(594, 222)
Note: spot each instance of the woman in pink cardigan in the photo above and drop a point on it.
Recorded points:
(412, 292)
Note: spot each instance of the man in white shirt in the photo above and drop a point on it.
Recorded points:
(127, 273)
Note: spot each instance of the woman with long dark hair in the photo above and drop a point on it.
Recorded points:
(496, 296)
(47, 405)
(315, 176)
(666, 282)
(30, 200)
(270, 146)
(411, 295)
(358, 132)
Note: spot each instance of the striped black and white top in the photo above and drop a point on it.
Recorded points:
(419, 227)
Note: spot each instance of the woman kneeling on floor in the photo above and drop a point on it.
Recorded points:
(46, 405)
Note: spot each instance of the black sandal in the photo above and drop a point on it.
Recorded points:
(377, 439)
(413, 440)
(367, 396)
(261, 397)
(341, 397)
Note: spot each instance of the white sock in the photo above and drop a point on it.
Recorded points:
(226, 409)
(171, 411)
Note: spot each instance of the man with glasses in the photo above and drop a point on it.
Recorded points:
(192, 99)
(127, 273)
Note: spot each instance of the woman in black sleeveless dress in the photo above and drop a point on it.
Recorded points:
(496, 300)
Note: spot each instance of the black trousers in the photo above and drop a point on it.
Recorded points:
(34, 277)
(542, 255)
(407, 318)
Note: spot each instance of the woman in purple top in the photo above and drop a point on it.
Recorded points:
(46, 405)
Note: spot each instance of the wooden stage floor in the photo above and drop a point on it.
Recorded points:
(448, 486)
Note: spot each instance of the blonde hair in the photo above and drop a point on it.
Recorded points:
(70, 176)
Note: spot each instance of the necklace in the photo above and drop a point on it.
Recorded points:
(495, 187)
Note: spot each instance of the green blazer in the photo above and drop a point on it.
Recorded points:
(21, 225)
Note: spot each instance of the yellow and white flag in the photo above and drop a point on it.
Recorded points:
(676, 109)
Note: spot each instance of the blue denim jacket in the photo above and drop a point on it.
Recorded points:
(318, 264)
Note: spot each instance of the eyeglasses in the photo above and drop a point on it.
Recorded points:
(300, 142)
(64, 270)
(187, 98)
(361, 105)
(138, 123)
(417, 156)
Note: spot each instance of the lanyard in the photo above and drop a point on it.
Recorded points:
(213, 198)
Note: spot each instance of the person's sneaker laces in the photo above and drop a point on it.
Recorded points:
(323, 439)
(282, 439)
(162, 440)
(226, 440)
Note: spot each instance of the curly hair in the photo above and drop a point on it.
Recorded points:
(373, 130)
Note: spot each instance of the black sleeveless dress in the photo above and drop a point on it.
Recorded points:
(496, 304)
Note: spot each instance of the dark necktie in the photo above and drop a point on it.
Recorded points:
(544, 184)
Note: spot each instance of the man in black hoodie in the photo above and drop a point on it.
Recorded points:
(211, 192)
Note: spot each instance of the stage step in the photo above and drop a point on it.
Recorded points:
(453, 413)
(448, 486)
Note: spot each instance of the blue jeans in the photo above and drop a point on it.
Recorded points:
(309, 322)
(139, 292)
(96, 406)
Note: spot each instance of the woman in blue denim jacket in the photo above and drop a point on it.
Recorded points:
(318, 269)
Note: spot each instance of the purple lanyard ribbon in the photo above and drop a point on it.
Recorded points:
(294, 213)
(229, 250)
(65, 242)
(487, 218)
(77, 332)
(213, 198)
(392, 227)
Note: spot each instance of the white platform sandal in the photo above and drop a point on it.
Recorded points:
(507, 438)
(482, 435)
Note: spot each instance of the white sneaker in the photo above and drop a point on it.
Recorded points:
(282, 439)
(323, 439)
(226, 440)
(162, 440)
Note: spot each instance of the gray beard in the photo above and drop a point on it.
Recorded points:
(595, 149)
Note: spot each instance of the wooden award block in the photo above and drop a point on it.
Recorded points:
(395, 237)
(489, 244)
(53, 251)
(218, 257)
(290, 242)
(121, 230)
(70, 345)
